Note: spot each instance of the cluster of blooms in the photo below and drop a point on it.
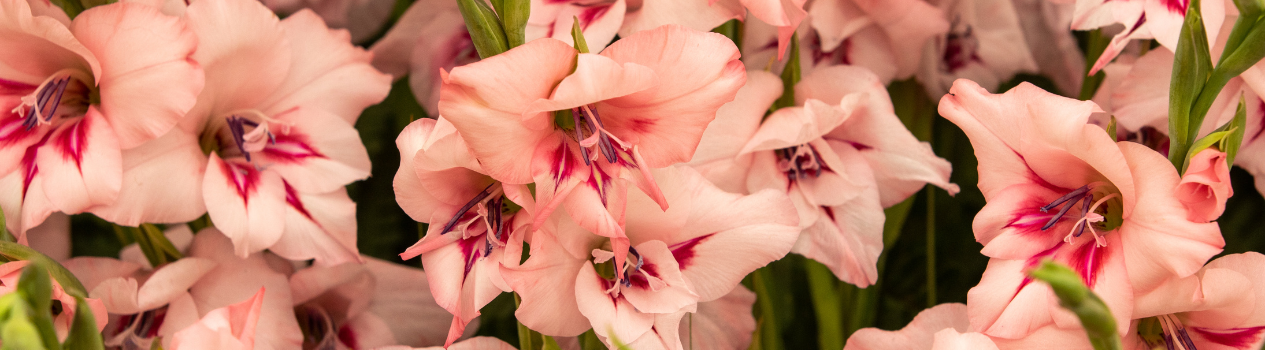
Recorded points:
(617, 183)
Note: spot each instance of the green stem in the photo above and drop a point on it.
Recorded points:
(732, 30)
(524, 333)
(823, 286)
(1097, 44)
(770, 333)
(931, 246)
(13, 251)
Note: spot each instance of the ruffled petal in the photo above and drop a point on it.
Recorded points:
(244, 202)
(81, 164)
(162, 183)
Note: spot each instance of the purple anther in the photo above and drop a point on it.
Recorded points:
(640, 260)
(579, 135)
(237, 128)
(465, 208)
(1080, 226)
(495, 226)
(1185, 339)
(608, 149)
(1075, 194)
(1058, 216)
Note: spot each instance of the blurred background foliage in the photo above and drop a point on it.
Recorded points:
(941, 232)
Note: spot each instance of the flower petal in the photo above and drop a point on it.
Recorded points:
(81, 164)
(244, 203)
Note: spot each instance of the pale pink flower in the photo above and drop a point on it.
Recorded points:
(1059, 188)
(11, 274)
(362, 18)
(886, 36)
(724, 323)
(583, 127)
(139, 299)
(1218, 308)
(695, 252)
(985, 43)
(429, 37)
(277, 120)
(235, 279)
(1205, 186)
(81, 95)
(842, 155)
(941, 327)
(366, 306)
(232, 327)
(599, 20)
(1146, 19)
(472, 228)
(1054, 48)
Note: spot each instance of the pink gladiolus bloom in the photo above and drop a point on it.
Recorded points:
(1219, 308)
(277, 120)
(1147, 19)
(80, 94)
(472, 228)
(367, 306)
(429, 37)
(477, 343)
(860, 32)
(1205, 186)
(720, 324)
(582, 127)
(985, 43)
(11, 273)
(842, 155)
(362, 18)
(942, 327)
(1059, 188)
(231, 327)
(599, 20)
(695, 252)
(138, 298)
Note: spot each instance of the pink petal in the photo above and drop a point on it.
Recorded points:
(1205, 186)
(921, 333)
(548, 286)
(724, 323)
(231, 327)
(1161, 225)
(81, 164)
(794, 126)
(1248, 265)
(485, 101)
(951, 339)
(1165, 21)
(412, 196)
(737, 121)
(48, 39)
(848, 237)
(908, 24)
(599, 22)
(393, 52)
(401, 297)
(244, 202)
(339, 80)
(162, 183)
(317, 153)
(694, 14)
(244, 50)
(697, 73)
(596, 78)
(674, 297)
(52, 238)
(609, 316)
(319, 226)
(144, 93)
(170, 281)
(91, 271)
(235, 279)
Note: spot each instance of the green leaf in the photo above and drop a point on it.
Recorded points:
(36, 288)
(1237, 127)
(1111, 128)
(1202, 144)
(550, 344)
(83, 330)
(1099, 324)
(67, 280)
(790, 76)
(72, 7)
(824, 289)
(484, 28)
(589, 341)
(1249, 8)
(732, 30)
(1191, 66)
(18, 332)
(577, 36)
(514, 15)
(163, 248)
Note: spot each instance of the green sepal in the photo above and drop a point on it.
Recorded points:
(1249, 8)
(1192, 64)
(549, 344)
(484, 28)
(1237, 127)
(18, 332)
(72, 7)
(791, 75)
(83, 330)
(68, 282)
(577, 36)
(1111, 128)
(36, 289)
(1214, 138)
(1095, 317)
(514, 14)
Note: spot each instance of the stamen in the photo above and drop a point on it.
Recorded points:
(584, 152)
(1075, 194)
(1081, 224)
(1058, 216)
(487, 191)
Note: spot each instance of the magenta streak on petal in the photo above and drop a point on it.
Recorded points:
(1029, 219)
(244, 178)
(72, 141)
(836, 57)
(469, 253)
(1087, 261)
(1138, 24)
(9, 87)
(1239, 338)
(829, 212)
(683, 252)
(639, 280)
(13, 130)
(347, 336)
(292, 198)
(589, 14)
(1177, 6)
(291, 148)
(564, 165)
(1033, 261)
(600, 182)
